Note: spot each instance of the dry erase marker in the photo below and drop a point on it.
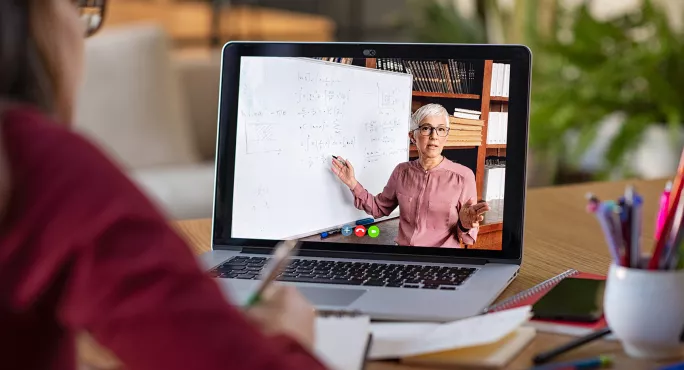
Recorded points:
(365, 221)
(328, 233)
(280, 259)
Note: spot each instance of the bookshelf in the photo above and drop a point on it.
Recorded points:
(490, 230)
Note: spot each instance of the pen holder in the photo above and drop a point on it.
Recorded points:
(645, 311)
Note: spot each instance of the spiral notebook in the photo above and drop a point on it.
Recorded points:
(532, 295)
(342, 339)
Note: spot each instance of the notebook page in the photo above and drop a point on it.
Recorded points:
(341, 342)
(388, 337)
(472, 331)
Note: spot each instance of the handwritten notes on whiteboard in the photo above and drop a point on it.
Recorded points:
(294, 114)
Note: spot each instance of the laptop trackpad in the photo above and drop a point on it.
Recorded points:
(330, 296)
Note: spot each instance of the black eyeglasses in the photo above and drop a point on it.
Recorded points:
(92, 14)
(427, 130)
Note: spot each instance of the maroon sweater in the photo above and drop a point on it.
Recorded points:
(81, 248)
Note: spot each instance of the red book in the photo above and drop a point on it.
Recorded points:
(531, 296)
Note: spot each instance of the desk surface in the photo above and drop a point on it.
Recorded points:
(558, 235)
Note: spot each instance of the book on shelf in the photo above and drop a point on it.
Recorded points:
(494, 178)
(465, 132)
(497, 126)
(436, 76)
(501, 78)
(467, 113)
(465, 121)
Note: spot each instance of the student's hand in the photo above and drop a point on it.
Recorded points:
(472, 213)
(283, 310)
(344, 172)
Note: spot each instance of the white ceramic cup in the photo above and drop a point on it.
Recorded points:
(645, 311)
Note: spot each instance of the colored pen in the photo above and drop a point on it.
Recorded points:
(590, 363)
(365, 221)
(604, 214)
(654, 263)
(625, 233)
(326, 234)
(673, 239)
(634, 230)
(592, 203)
(548, 356)
(671, 236)
(662, 212)
(280, 259)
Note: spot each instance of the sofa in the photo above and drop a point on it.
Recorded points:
(154, 111)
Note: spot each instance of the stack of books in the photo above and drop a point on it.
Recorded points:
(437, 76)
(501, 79)
(465, 128)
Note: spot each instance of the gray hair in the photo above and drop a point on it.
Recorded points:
(427, 111)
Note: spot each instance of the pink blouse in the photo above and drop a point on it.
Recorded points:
(429, 202)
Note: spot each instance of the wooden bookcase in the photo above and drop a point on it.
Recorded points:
(491, 233)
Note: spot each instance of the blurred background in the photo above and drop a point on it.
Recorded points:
(607, 87)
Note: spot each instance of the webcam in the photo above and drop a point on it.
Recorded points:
(369, 52)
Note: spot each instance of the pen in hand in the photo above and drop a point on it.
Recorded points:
(341, 161)
(280, 259)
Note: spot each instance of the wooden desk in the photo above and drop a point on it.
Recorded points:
(558, 235)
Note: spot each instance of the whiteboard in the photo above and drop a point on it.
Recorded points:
(294, 114)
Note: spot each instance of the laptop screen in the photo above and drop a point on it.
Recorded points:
(374, 151)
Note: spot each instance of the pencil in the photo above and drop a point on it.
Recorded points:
(280, 259)
(654, 263)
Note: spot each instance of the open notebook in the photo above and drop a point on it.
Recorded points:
(343, 340)
(485, 341)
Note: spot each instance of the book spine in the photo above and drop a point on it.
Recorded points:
(464, 78)
(449, 82)
(440, 73)
(454, 78)
(427, 78)
(445, 80)
(416, 72)
(454, 72)
(435, 78)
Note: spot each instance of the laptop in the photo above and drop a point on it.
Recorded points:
(295, 118)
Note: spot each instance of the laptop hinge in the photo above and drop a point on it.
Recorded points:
(375, 256)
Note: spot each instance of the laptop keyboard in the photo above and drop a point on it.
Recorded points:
(350, 273)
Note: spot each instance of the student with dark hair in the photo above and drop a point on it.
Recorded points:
(81, 248)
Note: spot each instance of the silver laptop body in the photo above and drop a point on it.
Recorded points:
(481, 275)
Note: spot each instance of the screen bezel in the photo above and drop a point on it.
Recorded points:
(520, 58)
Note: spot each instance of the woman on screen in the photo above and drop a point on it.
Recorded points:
(437, 197)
